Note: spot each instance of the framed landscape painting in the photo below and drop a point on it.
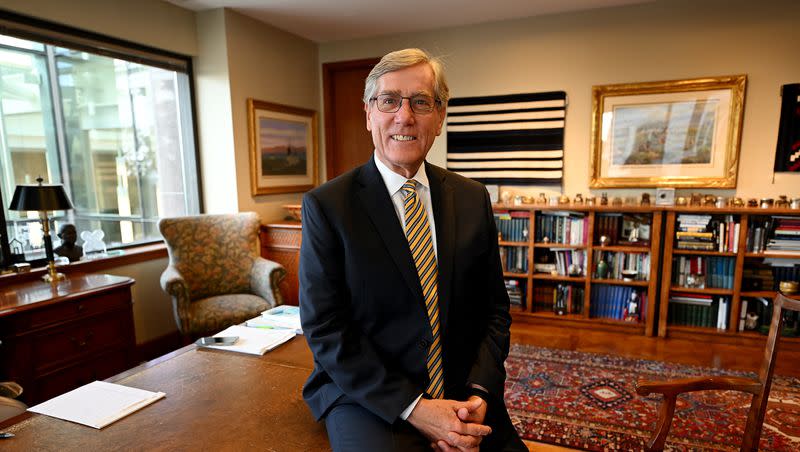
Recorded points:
(283, 148)
(679, 133)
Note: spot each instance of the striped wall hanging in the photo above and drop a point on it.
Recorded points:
(514, 139)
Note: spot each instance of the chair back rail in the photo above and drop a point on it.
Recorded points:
(759, 388)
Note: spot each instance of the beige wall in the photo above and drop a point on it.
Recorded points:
(152, 308)
(274, 66)
(214, 115)
(659, 41)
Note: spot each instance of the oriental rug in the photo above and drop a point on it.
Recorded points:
(588, 401)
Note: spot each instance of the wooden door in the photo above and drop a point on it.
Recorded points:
(347, 142)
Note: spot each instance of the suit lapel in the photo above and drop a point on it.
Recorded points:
(445, 217)
(380, 210)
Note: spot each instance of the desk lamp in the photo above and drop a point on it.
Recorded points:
(43, 198)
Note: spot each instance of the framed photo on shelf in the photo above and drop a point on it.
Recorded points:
(678, 133)
(283, 148)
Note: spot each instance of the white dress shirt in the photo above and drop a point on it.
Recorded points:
(394, 182)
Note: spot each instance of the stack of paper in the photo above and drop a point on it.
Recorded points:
(287, 317)
(97, 404)
(254, 341)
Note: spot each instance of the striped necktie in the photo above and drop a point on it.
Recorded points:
(418, 233)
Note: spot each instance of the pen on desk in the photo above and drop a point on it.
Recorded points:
(4, 435)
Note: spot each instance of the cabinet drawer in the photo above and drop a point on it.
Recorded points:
(71, 341)
(84, 307)
(67, 379)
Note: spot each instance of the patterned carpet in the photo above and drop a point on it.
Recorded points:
(587, 401)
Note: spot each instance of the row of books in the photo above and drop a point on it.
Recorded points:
(727, 234)
(701, 310)
(701, 272)
(786, 237)
(561, 299)
(515, 292)
(512, 226)
(621, 228)
(619, 261)
(567, 228)
(568, 299)
(570, 262)
(693, 233)
(757, 235)
(514, 259)
(618, 303)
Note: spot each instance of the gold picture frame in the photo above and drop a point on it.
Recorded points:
(283, 148)
(676, 133)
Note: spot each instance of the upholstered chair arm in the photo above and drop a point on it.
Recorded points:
(671, 390)
(265, 276)
(173, 283)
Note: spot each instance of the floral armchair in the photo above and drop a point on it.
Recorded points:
(215, 277)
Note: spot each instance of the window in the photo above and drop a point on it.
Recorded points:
(115, 130)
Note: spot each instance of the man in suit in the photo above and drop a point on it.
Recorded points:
(402, 298)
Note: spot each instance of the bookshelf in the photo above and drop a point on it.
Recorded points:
(758, 248)
(551, 255)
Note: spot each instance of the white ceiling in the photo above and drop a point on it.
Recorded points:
(335, 20)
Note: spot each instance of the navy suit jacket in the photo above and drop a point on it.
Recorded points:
(361, 305)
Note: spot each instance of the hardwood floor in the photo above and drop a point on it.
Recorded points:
(739, 356)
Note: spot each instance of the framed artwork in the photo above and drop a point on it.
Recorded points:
(283, 148)
(679, 133)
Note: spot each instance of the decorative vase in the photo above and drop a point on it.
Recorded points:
(602, 269)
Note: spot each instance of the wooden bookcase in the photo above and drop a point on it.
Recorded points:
(530, 280)
(749, 220)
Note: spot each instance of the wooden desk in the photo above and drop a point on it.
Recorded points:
(215, 400)
(56, 337)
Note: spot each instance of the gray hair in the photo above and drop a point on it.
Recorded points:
(401, 59)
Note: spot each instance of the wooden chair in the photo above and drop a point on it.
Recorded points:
(758, 388)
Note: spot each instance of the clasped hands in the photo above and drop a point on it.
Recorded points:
(451, 425)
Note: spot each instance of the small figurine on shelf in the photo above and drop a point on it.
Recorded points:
(645, 200)
(604, 199)
(602, 269)
(574, 270)
(68, 248)
(505, 197)
(634, 235)
(751, 321)
(616, 201)
(632, 311)
(542, 199)
(578, 200)
(563, 200)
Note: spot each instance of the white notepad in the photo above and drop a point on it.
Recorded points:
(255, 341)
(283, 316)
(97, 404)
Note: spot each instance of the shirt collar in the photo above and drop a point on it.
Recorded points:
(395, 181)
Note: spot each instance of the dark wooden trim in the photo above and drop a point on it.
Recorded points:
(327, 93)
(132, 255)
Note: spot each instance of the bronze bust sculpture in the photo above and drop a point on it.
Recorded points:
(69, 235)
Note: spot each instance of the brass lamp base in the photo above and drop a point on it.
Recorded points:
(52, 276)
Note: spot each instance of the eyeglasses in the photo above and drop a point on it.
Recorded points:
(390, 103)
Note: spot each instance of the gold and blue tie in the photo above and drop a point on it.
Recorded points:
(418, 233)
